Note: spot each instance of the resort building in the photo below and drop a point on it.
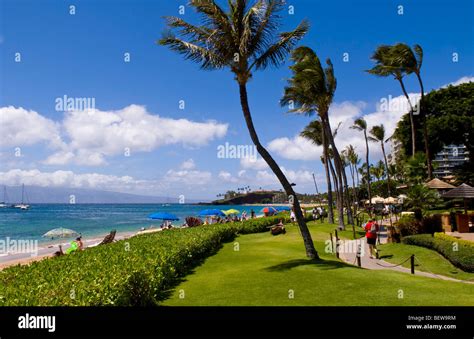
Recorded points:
(448, 159)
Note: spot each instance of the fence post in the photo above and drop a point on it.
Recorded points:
(412, 263)
(358, 255)
(332, 243)
(337, 244)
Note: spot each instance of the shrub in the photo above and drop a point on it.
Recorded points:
(193, 221)
(136, 271)
(408, 225)
(459, 252)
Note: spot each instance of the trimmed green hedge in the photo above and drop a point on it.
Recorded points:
(136, 271)
(463, 257)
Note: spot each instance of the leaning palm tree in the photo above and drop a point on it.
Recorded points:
(315, 133)
(361, 125)
(386, 65)
(410, 61)
(309, 91)
(377, 134)
(244, 39)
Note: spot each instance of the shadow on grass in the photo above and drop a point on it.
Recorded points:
(322, 264)
(387, 256)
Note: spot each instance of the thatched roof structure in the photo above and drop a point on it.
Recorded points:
(439, 184)
(463, 191)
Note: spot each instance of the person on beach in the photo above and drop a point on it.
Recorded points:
(278, 228)
(371, 230)
(315, 213)
(292, 216)
(252, 214)
(244, 215)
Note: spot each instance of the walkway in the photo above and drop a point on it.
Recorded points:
(348, 254)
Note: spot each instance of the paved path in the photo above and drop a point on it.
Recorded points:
(348, 253)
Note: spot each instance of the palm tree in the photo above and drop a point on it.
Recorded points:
(315, 132)
(378, 171)
(410, 61)
(377, 134)
(311, 90)
(385, 65)
(244, 39)
(352, 159)
(361, 125)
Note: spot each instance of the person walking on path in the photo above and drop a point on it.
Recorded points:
(371, 231)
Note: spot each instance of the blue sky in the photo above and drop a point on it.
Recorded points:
(82, 55)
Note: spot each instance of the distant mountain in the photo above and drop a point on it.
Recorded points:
(60, 195)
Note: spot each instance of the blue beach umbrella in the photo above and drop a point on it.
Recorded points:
(163, 216)
(211, 212)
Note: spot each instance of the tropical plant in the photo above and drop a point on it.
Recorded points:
(315, 133)
(415, 168)
(361, 125)
(377, 134)
(378, 170)
(311, 90)
(410, 61)
(244, 39)
(385, 66)
(420, 198)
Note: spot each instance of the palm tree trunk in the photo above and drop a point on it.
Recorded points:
(328, 179)
(339, 168)
(369, 190)
(336, 187)
(425, 127)
(386, 168)
(412, 120)
(308, 241)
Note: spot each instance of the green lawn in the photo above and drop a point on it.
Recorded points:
(431, 261)
(268, 270)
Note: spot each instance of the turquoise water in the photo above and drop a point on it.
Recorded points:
(92, 219)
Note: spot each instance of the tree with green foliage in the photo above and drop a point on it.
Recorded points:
(244, 39)
(377, 134)
(361, 125)
(310, 91)
(420, 198)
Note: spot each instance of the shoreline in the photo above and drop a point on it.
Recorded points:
(47, 250)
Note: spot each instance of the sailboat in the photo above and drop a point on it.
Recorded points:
(3, 203)
(22, 206)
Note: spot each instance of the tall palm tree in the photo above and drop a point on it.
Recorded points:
(352, 159)
(410, 60)
(311, 90)
(361, 125)
(244, 39)
(315, 132)
(378, 171)
(377, 134)
(386, 65)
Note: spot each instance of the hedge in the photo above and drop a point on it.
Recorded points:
(462, 258)
(136, 271)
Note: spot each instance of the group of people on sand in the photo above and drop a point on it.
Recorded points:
(76, 245)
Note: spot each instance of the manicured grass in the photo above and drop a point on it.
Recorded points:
(431, 261)
(266, 270)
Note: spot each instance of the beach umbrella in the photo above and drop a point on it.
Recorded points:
(377, 200)
(211, 212)
(231, 211)
(390, 200)
(269, 210)
(163, 216)
(60, 232)
(282, 208)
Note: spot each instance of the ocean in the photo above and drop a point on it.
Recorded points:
(91, 220)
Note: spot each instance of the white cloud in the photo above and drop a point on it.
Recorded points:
(21, 127)
(109, 133)
(192, 177)
(227, 177)
(188, 165)
(297, 148)
(70, 179)
(460, 81)
(253, 163)
(95, 135)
